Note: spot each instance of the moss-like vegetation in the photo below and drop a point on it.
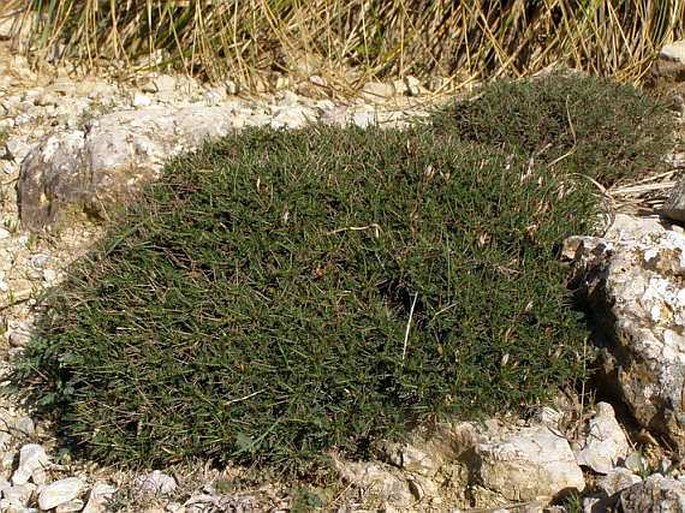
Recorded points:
(596, 127)
(280, 293)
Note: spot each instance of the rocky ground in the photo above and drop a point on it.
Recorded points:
(66, 140)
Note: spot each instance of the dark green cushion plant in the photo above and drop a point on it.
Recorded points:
(603, 129)
(281, 293)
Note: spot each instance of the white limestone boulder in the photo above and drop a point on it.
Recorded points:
(632, 278)
(529, 464)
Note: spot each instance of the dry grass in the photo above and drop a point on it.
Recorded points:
(465, 41)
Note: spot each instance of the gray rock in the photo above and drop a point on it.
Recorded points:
(400, 87)
(318, 81)
(18, 495)
(377, 91)
(215, 95)
(605, 443)
(657, 494)
(292, 117)
(6, 506)
(633, 277)
(165, 84)
(155, 483)
(231, 87)
(140, 100)
(527, 464)
(617, 480)
(32, 463)
(674, 206)
(606, 496)
(378, 479)
(550, 417)
(17, 148)
(60, 492)
(69, 507)
(108, 163)
(24, 425)
(63, 86)
(9, 24)
(99, 495)
(288, 99)
(674, 51)
(670, 66)
(414, 86)
(411, 458)
(7, 124)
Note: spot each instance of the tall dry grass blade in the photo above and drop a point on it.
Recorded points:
(464, 40)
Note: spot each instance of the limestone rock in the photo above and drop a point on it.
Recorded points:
(7, 506)
(213, 502)
(98, 497)
(379, 480)
(9, 25)
(400, 87)
(292, 117)
(608, 487)
(17, 149)
(616, 480)
(633, 280)
(164, 84)
(32, 463)
(414, 86)
(671, 63)
(411, 458)
(108, 163)
(63, 86)
(528, 464)
(549, 417)
(24, 426)
(60, 492)
(377, 91)
(605, 444)
(674, 51)
(657, 494)
(155, 483)
(141, 100)
(18, 495)
(70, 507)
(674, 206)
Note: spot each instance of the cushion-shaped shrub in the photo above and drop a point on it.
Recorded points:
(280, 293)
(573, 122)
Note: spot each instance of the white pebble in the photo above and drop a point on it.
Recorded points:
(156, 482)
(32, 460)
(140, 100)
(60, 492)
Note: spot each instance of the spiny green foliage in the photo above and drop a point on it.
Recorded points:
(596, 127)
(253, 305)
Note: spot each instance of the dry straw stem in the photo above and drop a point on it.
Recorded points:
(465, 41)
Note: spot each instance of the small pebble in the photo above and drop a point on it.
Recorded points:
(141, 100)
(60, 492)
(156, 482)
